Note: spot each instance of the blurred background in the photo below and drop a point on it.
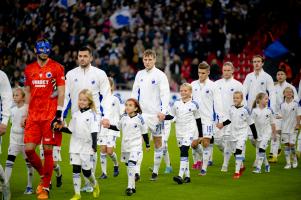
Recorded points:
(183, 33)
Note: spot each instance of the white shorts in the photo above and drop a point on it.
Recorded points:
(263, 144)
(278, 124)
(167, 129)
(238, 144)
(84, 160)
(133, 156)
(207, 130)
(15, 149)
(184, 141)
(107, 140)
(56, 153)
(289, 138)
(155, 126)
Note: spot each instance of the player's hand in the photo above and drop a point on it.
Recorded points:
(105, 123)
(200, 140)
(23, 121)
(2, 129)
(219, 125)
(161, 117)
(57, 119)
(297, 127)
(278, 116)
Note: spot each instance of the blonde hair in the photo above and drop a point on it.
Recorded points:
(149, 52)
(187, 85)
(288, 88)
(259, 97)
(239, 93)
(112, 84)
(20, 89)
(228, 63)
(89, 96)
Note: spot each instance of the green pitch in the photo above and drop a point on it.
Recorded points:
(279, 184)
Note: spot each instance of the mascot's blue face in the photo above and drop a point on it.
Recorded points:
(43, 47)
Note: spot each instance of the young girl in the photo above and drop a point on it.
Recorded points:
(133, 126)
(84, 128)
(265, 126)
(240, 118)
(289, 126)
(16, 144)
(188, 128)
(107, 138)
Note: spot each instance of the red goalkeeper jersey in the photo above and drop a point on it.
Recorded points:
(43, 82)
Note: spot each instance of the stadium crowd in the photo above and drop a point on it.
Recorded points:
(182, 33)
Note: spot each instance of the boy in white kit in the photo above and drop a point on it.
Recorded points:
(227, 86)
(265, 126)
(279, 88)
(207, 95)
(107, 138)
(151, 89)
(188, 128)
(16, 141)
(290, 114)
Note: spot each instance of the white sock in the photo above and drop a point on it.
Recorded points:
(30, 172)
(131, 169)
(92, 179)
(187, 171)
(287, 153)
(138, 164)
(57, 170)
(294, 155)
(238, 162)
(206, 156)
(2, 175)
(261, 157)
(8, 169)
(195, 156)
(76, 182)
(166, 156)
(299, 142)
(157, 159)
(103, 162)
(211, 152)
(227, 154)
(199, 152)
(114, 158)
(183, 165)
(256, 157)
(87, 182)
(275, 146)
(94, 161)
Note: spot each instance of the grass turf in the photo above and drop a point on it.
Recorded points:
(278, 184)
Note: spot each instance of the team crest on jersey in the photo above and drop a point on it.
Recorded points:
(141, 80)
(93, 82)
(87, 120)
(75, 80)
(232, 89)
(135, 126)
(153, 82)
(48, 74)
(262, 83)
(242, 115)
(207, 91)
(189, 109)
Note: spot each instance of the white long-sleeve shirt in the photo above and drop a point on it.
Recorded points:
(132, 130)
(82, 124)
(5, 98)
(263, 119)
(185, 115)
(254, 84)
(208, 96)
(227, 87)
(16, 131)
(151, 89)
(90, 78)
(279, 88)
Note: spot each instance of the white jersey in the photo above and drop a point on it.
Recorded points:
(5, 98)
(185, 114)
(16, 131)
(263, 118)
(151, 89)
(227, 87)
(82, 124)
(240, 121)
(132, 130)
(114, 116)
(254, 84)
(208, 96)
(279, 88)
(289, 113)
(299, 90)
(90, 78)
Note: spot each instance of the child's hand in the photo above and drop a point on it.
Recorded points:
(105, 123)
(219, 125)
(200, 140)
(297, 127)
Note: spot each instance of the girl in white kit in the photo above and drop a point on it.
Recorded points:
(289, 126)
(16, 141)
(265, 126)
(240, 119)
(83, 143)
(133, 129)
(188, 128)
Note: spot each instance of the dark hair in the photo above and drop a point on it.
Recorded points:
(137, 105)
(204, 65)
(258, 56)
(281, 69)
(85, 48)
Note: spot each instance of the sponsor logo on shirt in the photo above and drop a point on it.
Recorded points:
(40, 83)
